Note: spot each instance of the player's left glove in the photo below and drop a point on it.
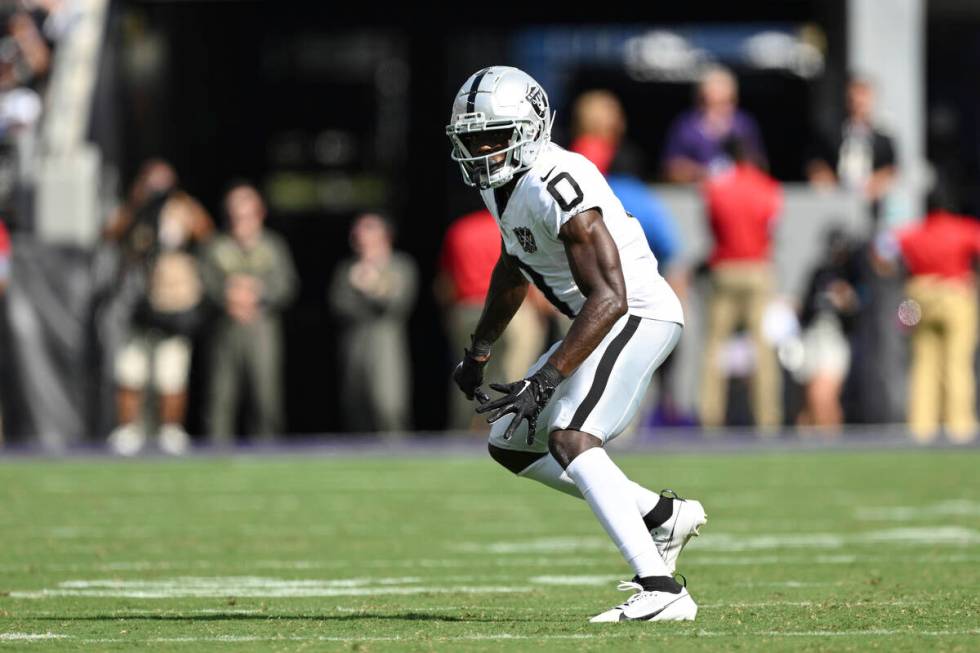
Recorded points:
(468, 375)
(524, 399)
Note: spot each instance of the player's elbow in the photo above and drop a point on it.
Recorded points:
(620, 308)
(614, 304)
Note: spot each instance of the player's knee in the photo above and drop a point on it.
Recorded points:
(566, 446)
(515, 461)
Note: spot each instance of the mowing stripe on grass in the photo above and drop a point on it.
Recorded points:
(692, 556)
(714, 541)
(259, 587)
(952, 507)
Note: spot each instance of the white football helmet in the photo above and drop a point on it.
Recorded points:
(499, 98)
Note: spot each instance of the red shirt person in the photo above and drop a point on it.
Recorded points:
(940, 253)
(469, 252)
(742, 204)
(944, 245)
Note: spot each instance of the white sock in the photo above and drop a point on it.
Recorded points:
(610, 495)
(548, 472)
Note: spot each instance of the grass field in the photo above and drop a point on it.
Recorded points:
(803, 551)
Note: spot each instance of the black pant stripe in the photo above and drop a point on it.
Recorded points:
(471, 98)
(546, 290)
(602, 373)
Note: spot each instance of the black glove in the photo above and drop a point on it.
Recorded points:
(468, 375)
(525, 399)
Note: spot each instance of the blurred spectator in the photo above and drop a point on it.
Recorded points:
(25, 56)
(694, 141)
(742, 204)
(249, 273)
(57, 17)
(25, 60)
(599, 128)
(829, 309)
(4, 257)
(470, 251)
(4, 279)
(19, 108)
(371, 295)
(858, 156)
(940, 253)
(158, 230)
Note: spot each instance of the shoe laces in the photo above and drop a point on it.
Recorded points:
(639, 590)
(630, 586)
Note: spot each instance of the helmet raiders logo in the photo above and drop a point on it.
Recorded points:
(536, 97)
(526, 239)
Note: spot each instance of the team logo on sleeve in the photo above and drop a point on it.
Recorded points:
(526, 239)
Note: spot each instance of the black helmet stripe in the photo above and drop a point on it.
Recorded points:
(471, 98)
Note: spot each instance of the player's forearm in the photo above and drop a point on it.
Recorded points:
(504, 298)
(598, 315)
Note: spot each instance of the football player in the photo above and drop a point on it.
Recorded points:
(565, 231)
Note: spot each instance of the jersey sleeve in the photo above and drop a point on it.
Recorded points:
(576, 185)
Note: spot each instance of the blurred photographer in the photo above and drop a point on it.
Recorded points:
(158, 232)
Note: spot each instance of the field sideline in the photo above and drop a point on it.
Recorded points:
(842, 550)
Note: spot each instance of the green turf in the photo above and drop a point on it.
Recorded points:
(807, 551)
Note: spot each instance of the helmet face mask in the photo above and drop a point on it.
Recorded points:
(499, 124)
(487, 157)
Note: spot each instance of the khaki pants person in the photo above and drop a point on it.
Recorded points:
(943, 344)
(740, 294)
(246, 356)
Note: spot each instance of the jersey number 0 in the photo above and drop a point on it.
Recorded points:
(568, 194)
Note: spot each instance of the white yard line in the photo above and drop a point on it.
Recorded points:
(260, 587)
(276, 613)
(29, 637)
(585, 581)
(244, 592)
(223, 582)
(606, 633)
(137, 612)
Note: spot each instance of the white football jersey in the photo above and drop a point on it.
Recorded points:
(559, 186)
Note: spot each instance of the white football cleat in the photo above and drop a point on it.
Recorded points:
(650, 606)
(685, 523)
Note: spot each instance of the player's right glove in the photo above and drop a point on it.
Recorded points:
(468, 375)
(524, 399)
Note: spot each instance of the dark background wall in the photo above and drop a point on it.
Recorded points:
(246, 89)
